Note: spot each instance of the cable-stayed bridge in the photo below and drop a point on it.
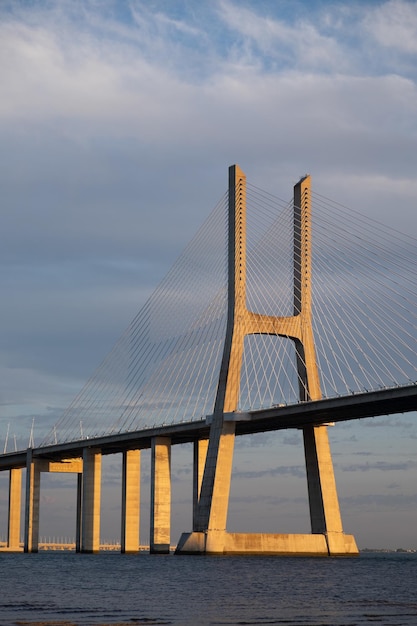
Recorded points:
(277, 315)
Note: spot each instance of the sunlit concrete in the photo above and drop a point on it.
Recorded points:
(324, 503)
(78, 520)
(210, 514)
(160, 524)
(34, 468)
(268, 544)
(32, 501)
(356, 406)
(130, 501)
(91, 500)
(199, 461)
(15, 498)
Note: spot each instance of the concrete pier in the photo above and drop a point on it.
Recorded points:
(15, 498)
(91, 500)
(200, 447)
(33, 486)
(160, 524)
(34, 469)
(78, 520)
(130, 501)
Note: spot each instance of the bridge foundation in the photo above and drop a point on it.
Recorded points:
(267, 544)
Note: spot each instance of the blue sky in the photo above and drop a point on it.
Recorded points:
(118, 121)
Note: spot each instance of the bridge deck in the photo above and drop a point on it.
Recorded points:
(344, 408)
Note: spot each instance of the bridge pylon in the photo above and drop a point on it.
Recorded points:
(211, 494)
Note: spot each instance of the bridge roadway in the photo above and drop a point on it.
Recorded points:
(388, 401)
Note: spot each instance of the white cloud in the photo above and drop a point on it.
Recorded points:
(393, 24)
(290, 45)
(95, 108)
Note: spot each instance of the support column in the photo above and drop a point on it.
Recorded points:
(130, 501)
(199, 461)
(33, 487)
(15, 497)
(78, 522)
(322, 493)
(217, 502)
(160, 527)
(91, 497)
(324, 504)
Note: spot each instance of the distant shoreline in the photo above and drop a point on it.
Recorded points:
(396, 550)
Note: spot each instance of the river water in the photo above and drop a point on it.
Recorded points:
(57, 588)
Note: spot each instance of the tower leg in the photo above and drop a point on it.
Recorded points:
(214, 508)
(209, 533)
(323, 500)
(199, 461)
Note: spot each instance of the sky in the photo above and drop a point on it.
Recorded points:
(118, 121)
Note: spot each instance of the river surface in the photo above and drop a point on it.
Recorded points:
(57, 588)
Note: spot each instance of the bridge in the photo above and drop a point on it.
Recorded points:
(256, 328)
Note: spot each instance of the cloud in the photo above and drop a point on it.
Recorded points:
(393, 25)
(392, 422)
(75, 151)
(27, 397)
(47, 499)
(294, 439)
(283, 45)
(259, 440)
(381, 501)
(298, 471)
(268, 500)
(123, 87)
(384, 466)
(55, 482)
